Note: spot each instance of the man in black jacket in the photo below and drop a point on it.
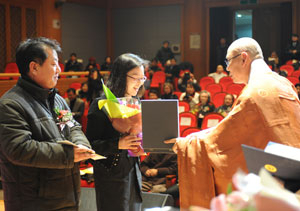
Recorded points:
(165, 53)
(293, 48)
(38, 173)
(76, 104)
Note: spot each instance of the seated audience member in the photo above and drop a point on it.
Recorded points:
(172, 70)
(147, 74)
(184, 79)
(73, 64)
(92, 64)
(190, 95)
(168, 92)
(94, 84)
(76, 104)
(83, 93)
(203, 107)
(298, 89)
(227, 106)
(221, 51)
(273, 60)
(165, 53)
(155, 167)
(283, 73)
(107, 65)
(153, 94)
(220, 73)
(186, 66)
(293, 48)
(153, 67)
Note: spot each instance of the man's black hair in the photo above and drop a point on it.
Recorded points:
(34, 49)
(71, 90)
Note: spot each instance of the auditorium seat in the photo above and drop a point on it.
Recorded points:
(213, 88)
(178, 93)
(288, 68)
(218, 99)
(187, 119)
(75, 85)
(235, 89)
(205, 81)
(183, 107)
(296, 73)
(225, 81)
(293, 79)
(211, 120)
(188, 131)
(158, 79)
(11, 68)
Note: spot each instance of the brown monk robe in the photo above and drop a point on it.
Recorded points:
(268, 109)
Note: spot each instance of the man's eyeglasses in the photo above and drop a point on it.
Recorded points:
(142, 80)
(228, 60)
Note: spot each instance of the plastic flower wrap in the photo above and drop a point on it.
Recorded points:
(254, 193)
(125, 115)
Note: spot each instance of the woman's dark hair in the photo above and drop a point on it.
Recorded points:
(118, 76)
(196, 87)
(34, 50)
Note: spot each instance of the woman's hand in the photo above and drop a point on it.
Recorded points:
(129, 142)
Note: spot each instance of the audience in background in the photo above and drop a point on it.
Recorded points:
(147, 74)
(94, 84)
(283, 73)
(153, 94)
(155, 167)
(107, 65)
(153, 67)
(168, 91)
(298, 89)
(83, 93)
(273, 60)
(184, 79)
(220, 73)
(293, 48)
(73, 64)
(165, 53)
(92, 64)
(203, 107)
(190, 95)
(76, 104)
(221, 52)
(172, 70)
(227, 106)
(186, 66)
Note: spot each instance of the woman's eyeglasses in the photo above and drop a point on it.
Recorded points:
(142, 80)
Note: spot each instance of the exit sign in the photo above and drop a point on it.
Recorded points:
(245, 2)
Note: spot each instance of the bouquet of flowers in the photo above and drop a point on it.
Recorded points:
(125, 115)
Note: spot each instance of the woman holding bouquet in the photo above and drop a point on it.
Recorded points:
(117, 178)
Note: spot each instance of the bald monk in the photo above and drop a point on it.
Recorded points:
(268, 109)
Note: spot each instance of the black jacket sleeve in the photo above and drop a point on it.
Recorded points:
(100, 132)
(20, 148)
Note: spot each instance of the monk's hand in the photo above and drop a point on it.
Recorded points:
(173, 141)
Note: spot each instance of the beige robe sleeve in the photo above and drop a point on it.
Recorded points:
(267, 110)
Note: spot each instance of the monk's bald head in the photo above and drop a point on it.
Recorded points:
(248, 45)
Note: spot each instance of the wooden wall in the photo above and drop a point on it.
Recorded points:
(195, 21)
